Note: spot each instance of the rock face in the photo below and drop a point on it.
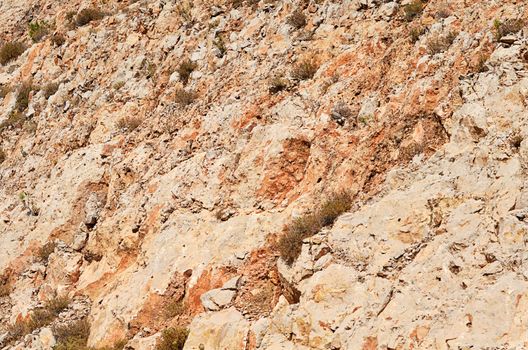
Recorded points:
(154, 155)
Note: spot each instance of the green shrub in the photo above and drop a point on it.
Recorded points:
(305, 69)
(413, 10)
(88, 15)
(10, 51)
(38, 30)
(73, 336)
(290, 244)
(175, 308)
(297, 19)
(185, 69)
(184, 97)
(173, 339)
(510, 26)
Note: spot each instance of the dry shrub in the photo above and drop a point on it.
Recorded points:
(277, 84)
(88, 15)
(305, 69)
(510, 26)
(58, 39)
(50, 89)
(297, 19)
(129, 123)
(440, 43)
(13, 121)
(22, 100)
(184, 97)
(175, 308)
(185, 69)
(45, 251)
(10, 51)
(173, 339)
(413, 10)
(72, 336)
(290, 244)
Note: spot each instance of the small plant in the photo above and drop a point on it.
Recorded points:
(73, 336)
(118, 85)
(173, 339)
(185, 69)
(4, 90)
(58, 39)
(510, 26)
(88, 15)
(290, 244)
(2, 158)
(443, 12)
(481, 64)
(10, 51)
(175, 308)
(413, 10)
(22, 100)
(277, 84)
(45, 251)
(56, 305)
(13, 121)
(440, 43)
(50, 89)
(129, 123)
(184, 10)
(28, 204)
(38, 30)
(184, 97)
(305, 69)
(415, 33)
(297, 19)
(220, 45)
(341, 113)
(5, 288)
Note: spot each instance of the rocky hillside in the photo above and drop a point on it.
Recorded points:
(171, 173)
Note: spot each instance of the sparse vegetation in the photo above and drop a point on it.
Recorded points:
(38, 30)
(173, 339)
(5, 287)
(440, 43)
(10, 51)
(219, 42)
(277, 84)
(88, 15)
(175, 308)
(185, 70)
(129, 123)
(38, 318)
(72, 336)
(13, 121)
(341, 112)
(297, 19)
(290, 243)
(509, 26)
(415, 33)
(2, 159)
(305, 69)
(22, 100)
(50, 89)
(184, 97)
(184, 10)
(45, 251)
(413, 10)
(58, 39)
